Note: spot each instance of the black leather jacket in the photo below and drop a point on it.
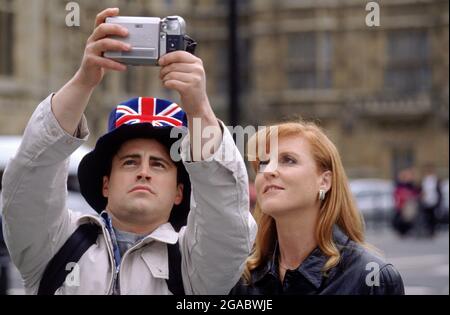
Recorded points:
(358, 272)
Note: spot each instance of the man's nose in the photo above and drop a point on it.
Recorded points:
(144, 172)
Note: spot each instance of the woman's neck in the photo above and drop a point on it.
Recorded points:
(296, 236)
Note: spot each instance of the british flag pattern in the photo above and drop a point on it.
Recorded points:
(158, 112)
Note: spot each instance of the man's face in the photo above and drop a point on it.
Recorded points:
(142, 187)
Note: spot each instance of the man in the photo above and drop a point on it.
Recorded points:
(131, 179)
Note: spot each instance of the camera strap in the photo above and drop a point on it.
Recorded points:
(191, 44)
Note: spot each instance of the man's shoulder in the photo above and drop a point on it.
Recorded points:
(78, 218)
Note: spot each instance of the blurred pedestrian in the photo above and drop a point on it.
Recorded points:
(4, 263)
(406, 198)
(431, 198)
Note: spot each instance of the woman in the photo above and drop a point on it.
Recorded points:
(311, 237)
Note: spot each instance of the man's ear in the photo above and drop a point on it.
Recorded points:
(325, 180)
(179, 195)
(105, 188)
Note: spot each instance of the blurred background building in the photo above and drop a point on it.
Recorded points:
(382, 93)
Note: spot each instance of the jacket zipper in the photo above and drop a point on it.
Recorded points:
(134, 247)
(108, 242)
(111, 259)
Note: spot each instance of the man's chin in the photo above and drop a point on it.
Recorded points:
(140, 206)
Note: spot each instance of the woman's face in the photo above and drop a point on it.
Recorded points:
(290, 180)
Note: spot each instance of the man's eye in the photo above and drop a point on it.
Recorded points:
(129, 162)
(158, 165)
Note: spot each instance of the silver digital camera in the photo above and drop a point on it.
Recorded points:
(150, 38)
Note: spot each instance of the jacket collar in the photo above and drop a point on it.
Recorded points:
(310, 268)
(165, 233)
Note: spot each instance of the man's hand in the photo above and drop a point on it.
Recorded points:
(69, 103)
(94, 64)
(184, 72)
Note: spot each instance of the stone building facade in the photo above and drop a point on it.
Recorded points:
(381, 92)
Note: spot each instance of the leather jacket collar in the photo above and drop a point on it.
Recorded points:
(310, 268)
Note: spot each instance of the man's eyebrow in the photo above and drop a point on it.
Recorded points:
(138, 156)
(128, 156)
(160, 159)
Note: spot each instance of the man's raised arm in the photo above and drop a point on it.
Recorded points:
(220, 230)
(36, 222)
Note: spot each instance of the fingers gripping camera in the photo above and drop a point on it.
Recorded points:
(150, 38)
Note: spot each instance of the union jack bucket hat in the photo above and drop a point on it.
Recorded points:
(141, 117)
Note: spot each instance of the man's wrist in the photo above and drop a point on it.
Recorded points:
(200, 110)
(81, 84)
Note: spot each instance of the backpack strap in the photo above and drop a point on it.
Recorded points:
(78, 243)
(175, 281)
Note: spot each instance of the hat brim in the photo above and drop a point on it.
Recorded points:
(95, 164)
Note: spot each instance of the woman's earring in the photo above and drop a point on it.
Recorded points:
(321, 194)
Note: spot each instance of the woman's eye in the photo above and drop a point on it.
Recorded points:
(288, 160)
(262, 165)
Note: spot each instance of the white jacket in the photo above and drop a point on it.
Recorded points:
(214, 244)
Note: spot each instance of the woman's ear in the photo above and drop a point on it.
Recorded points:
(325, 180)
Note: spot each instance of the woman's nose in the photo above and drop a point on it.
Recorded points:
(271, 170)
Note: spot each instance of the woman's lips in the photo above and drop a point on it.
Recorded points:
(270, 188)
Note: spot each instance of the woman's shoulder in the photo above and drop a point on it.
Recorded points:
(379, 274)
(354, 253)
